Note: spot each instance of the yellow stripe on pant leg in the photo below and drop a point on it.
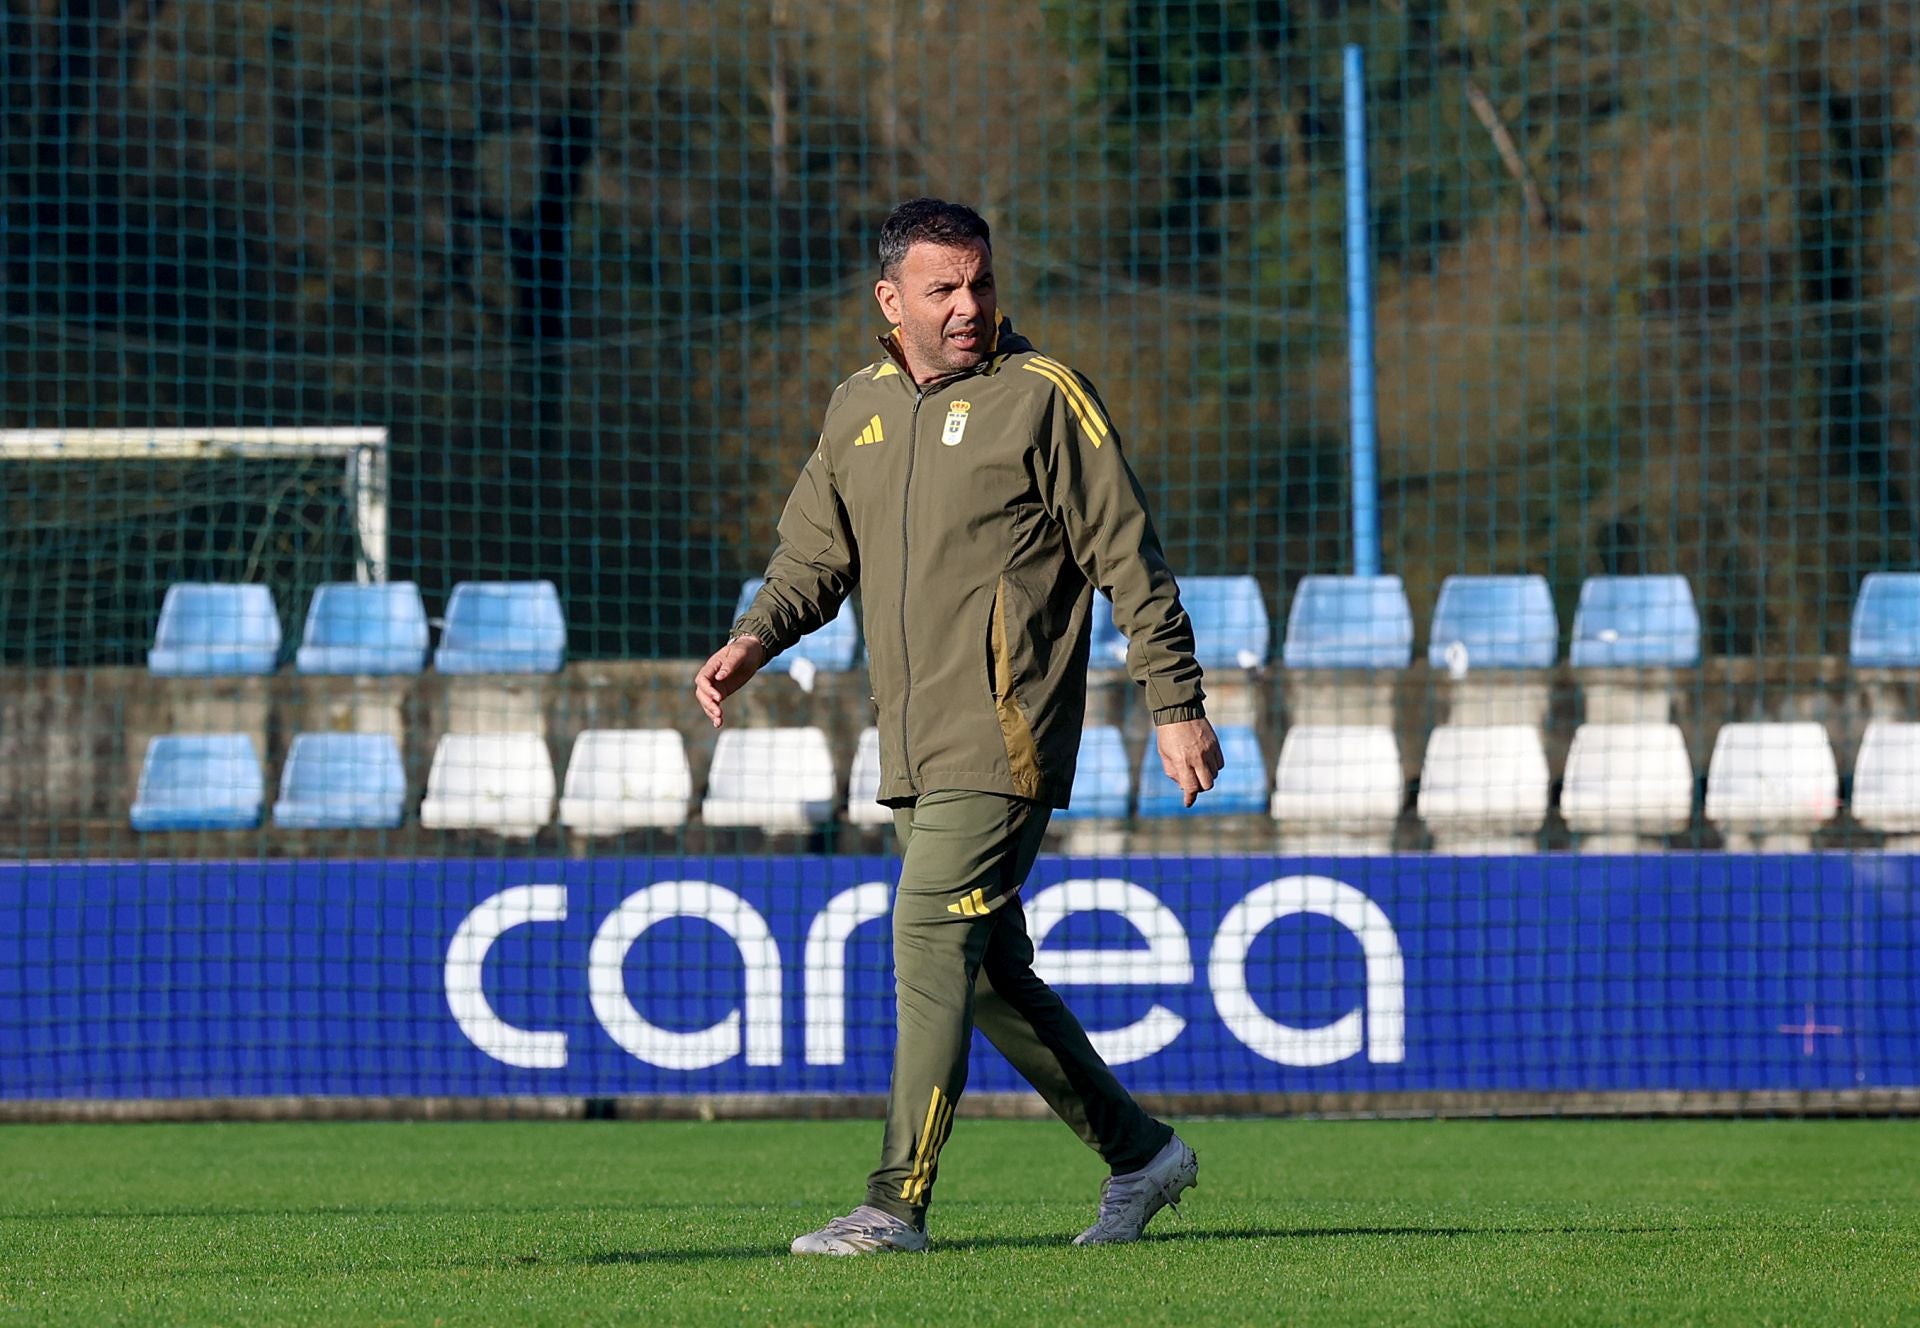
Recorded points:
(941, 1120)
(923, 1180)
(939, 1142)
(919, 1149)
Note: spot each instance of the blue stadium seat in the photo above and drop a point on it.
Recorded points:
(364, 629)
(199, 781)
(1109, 648)
(1240, 789)
(342, 781)
(1494, 622)
(212, 628)
(1101, 785)
(1636, 621)
(1886, 622)
(502, 627)
(1230, 628)
(1349, 622)
(830, 649)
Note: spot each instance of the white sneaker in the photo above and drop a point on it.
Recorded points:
(864, 1231)
(1128, 1202)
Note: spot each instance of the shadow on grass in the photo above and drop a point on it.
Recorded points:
(1159, 1238)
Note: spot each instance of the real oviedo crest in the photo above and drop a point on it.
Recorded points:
(956, 426)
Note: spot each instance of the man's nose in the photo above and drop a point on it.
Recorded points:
(966, 304)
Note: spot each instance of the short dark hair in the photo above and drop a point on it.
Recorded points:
(927, 221)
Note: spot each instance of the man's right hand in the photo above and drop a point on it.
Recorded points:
(1190, 754)
(726, 673)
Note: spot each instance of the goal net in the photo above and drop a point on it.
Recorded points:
(98, 523)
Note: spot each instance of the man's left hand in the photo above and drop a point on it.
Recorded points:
(1190, 754)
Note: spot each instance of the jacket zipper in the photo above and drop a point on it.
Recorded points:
(906, 665)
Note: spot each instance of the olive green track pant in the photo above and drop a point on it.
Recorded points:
(961, 957)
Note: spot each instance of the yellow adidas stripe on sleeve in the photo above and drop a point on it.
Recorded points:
(1072, 379)
(1082, 406)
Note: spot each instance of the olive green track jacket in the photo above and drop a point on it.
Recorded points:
(977, 515)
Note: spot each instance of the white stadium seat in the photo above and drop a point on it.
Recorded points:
(1484, 789)
(773, 779)
(863, 788)
(1337, 788)
(1770, 786)
(1626, 784)
(624, 779)
(1886, 782)
(502, 782)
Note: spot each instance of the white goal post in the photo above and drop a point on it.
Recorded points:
(363, 450)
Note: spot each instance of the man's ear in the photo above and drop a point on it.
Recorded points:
(888, 296)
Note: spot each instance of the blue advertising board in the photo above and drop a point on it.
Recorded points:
(741, 974)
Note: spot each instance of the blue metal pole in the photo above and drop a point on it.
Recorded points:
(1366, 481)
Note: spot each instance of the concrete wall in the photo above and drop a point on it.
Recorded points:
(71, 741)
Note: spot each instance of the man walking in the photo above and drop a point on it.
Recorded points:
(975, 491)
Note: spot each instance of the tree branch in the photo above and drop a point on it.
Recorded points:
(1539, 209)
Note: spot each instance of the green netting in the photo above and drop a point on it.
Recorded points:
(1645, 300)
(1645, 293)
(1645, 305)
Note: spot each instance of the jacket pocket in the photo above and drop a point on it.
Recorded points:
(997, 680)
(1016, 734)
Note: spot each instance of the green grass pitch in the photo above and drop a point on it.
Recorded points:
(1437, 1222)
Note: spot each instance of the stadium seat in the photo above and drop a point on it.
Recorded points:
(1625, 784)
(502, 627)
(199, 781)
(1484, 789)
(1101, 781)
(1239, 790)
(502, 782)
(626, 779)
(1493, 622)
(1886, 782)
(342, 781)
(1338, 788)
(863, 788)
(1349, 622)
(1770, 786)
(773, 779)
(360, 629)
(1636, 622)
(215, 629)
(1109, 648)
(1229, 617)
(831, 649)
(1230, 628)
(1886, 622)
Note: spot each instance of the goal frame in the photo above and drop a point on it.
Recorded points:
(361, 449)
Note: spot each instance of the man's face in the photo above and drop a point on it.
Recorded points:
(943, 301)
